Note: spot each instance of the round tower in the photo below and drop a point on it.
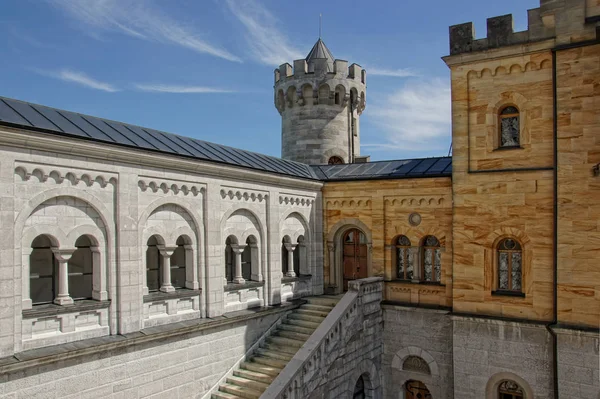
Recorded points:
(320, 101)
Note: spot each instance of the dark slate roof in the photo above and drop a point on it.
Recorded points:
(40, 118)
(320, 51)
(402, 169)
(50, 120)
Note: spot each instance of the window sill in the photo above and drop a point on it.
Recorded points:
(507, 148)
(180, 293)
(516, 294)
(52, 309)
(246, 285)
(285, 279)
(416, 282)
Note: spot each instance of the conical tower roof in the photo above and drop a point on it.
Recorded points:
(320, 51)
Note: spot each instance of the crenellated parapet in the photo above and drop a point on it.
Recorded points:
(308, 84)
(564, 21)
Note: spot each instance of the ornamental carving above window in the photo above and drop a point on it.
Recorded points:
(509, 127)
(510, 390)
(417, 364)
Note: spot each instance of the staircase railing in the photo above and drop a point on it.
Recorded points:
(305, 371)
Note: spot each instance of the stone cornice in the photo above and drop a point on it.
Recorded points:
(113, 153)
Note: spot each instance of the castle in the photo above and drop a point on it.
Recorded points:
(141, 264)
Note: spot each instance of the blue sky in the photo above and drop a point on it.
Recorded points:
(204, 68)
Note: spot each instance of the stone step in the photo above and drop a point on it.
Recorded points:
(294, 343)
(269, 361)
(292, 334)
(305, 317)
(245, 382)
(253, 375)
(240, 391)
(301, 323)
(224, 395)
(260, 368)
(295, 328)
(321, 308)
(275, 354)
(271, 346)
(322, 300)
(310, 312)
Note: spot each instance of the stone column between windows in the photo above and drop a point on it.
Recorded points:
(99, 291)
(290, 265)
(166, 253)
(238, 250)
(63, 256)
(331, 248)
(191, 273)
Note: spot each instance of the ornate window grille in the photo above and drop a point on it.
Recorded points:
(510, 265)
(510, 390)
(335, 161)
(404, 261)
(431, 260)
(509, 127)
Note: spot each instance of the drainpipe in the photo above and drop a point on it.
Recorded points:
(550, 327)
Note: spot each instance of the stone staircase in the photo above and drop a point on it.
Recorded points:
(254, 375)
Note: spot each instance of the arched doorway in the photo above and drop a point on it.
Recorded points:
(359, 389)
(416, 390)
(354, 256)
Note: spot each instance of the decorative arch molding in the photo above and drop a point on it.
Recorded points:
(401, 356)
(504, 232)
(335, 152)
(366, 369)
(491, 389)
(334, 238)
(512, 99)
(431, 381)
(238, 209)
(180, 202)
(293, 234)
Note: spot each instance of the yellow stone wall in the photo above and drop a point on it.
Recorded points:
(578, 85)
(384, 207)
(490, 205)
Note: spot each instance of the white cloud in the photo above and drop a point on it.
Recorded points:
(79, 78)
(395, 73)
(162, 88)
(137, 18)
(416, 117)
(266, 42)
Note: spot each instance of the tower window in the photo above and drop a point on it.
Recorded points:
(510, 260)
(510, 390)
(509, 127)
(335, 161)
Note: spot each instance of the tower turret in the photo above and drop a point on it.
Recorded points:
(320, 100)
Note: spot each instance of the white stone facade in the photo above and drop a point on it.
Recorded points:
(135, 209)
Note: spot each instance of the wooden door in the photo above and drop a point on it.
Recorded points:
(416, 390)
(354, 256)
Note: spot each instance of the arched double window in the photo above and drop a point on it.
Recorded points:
(510, 265)
(404, 261)
(510, 390)
(509, 127)
(431, 260)
(167, 267)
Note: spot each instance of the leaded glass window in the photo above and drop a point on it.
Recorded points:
(404, 258)
(509, 127)
(431, 267)
(510, 265)
(510, 390)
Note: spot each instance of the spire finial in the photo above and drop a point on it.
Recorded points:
(320, 24)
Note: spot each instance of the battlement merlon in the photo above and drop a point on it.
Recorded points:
(561, 21)
(340, 70)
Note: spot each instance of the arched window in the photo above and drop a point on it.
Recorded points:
(509, 127)
(81, 270)
(43, 272)
(431, 260)
(247, 259)
(153, 265)
(300, 256)
(178, 264)
(416, 390)
(335, 160)
(510, 265)
(229, 259)
(404, 264)
(284, 254)
(359, 389)
(510, 390)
